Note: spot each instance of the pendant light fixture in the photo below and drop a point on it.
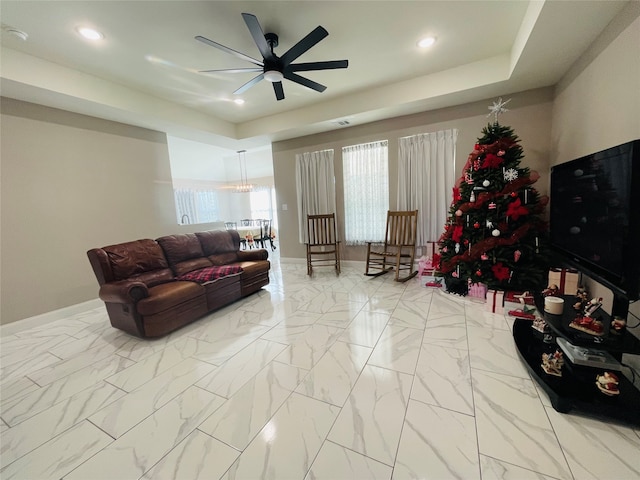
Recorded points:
(244, 186)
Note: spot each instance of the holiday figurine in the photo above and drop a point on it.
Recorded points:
(552, 363)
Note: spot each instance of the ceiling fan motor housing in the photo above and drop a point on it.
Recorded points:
(272, 40)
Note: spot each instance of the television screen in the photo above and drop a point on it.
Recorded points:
(594, 215)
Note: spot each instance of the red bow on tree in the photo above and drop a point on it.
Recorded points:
(500, 271)
(457, 233)
(515, 210)
(492, 161)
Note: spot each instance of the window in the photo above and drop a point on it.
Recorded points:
(196, 206)
(366, 191)
(263, 200)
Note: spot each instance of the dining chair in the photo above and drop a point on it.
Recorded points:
(399, 248)
(323, 247)
(266, 234)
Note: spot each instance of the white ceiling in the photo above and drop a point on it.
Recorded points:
(145, 70)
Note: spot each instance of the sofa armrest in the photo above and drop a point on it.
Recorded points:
(253, 255)
(124, 291)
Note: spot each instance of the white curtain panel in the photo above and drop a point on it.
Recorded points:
(366, 192)
(186, 209)
(315, 187)
(426, 175)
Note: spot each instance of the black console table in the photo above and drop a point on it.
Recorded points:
(576, 389)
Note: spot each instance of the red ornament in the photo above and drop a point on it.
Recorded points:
(476, 225)
(445, 249)
(516, 255)
(479, 273)
(466, 242)
(513, 194)
(484, 257)
(456, 194)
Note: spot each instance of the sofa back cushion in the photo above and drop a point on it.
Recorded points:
(183, 252)
(219, 241)
(143, 260)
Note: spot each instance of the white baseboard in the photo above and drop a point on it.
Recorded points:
(44, 318)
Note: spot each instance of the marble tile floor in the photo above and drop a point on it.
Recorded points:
(327, 377)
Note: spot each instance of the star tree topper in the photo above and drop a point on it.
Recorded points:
(498, 108)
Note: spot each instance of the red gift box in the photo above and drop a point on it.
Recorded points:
(525, 298)
(495, 301)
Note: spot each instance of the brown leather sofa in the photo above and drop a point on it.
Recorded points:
(152, 287)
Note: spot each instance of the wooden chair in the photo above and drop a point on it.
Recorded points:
(323, 248)
(399, 249)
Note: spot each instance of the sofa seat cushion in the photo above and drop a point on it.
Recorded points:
(168, 295)
(211, 274)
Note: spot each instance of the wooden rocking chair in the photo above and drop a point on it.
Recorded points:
(399, 249)
(323, 248)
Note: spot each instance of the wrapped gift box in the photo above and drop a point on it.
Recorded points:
(478, 290)
(525, 298)
(495, 301)
(429, 278)
(566, 279)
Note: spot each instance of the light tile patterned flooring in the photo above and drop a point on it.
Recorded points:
(328, 377)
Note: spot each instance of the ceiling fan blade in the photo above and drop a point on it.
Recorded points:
(249, 84)
(306, 67)
(229, 50)
(233, 70)
(304, 81)
(258, 35)
(303, 45)
(277, 88)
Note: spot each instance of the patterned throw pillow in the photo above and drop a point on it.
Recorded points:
(210, 274)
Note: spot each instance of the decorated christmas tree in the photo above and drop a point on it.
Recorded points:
(494, 233)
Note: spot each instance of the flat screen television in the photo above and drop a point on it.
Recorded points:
(594, 218)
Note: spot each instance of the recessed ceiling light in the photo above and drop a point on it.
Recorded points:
(90, 33)
(238, 101)
(426, 42)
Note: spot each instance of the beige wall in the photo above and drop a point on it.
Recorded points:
(70, 183)
(529, 116)
(597, 104)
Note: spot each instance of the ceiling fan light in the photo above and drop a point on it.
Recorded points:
(273, 76)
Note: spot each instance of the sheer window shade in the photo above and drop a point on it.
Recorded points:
(315, 187)
(426, 174)
(366, 192)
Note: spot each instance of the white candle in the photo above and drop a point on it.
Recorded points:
(554, 305)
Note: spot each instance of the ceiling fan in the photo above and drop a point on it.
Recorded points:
(272, 67)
